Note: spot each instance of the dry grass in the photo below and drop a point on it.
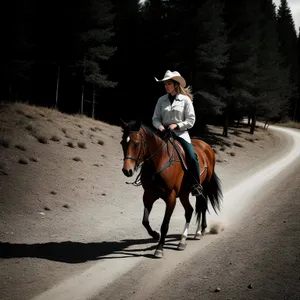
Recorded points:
(236, 133)
(249, 139)
(19, 111)
(34, 159)
(81, 145)
(228, 144)
(42, 139)
(31, 117)
(238, 145)
(55, 138)
(77, 158)
(20, 147)
(23, 161)
(29, 127)
(5, 142)
(3, 172)
(290, 124)
(70, 144)
(3, 169)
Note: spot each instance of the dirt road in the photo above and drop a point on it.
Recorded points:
(255, 257)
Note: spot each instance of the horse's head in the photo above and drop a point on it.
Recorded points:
(133, 145)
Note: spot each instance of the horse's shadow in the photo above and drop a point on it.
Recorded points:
(76, 252)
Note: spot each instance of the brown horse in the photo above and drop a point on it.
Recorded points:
(163, 175)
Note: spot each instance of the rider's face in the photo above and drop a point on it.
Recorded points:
(170, 87)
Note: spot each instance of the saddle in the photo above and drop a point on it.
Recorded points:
(177, 146)
(180, 152)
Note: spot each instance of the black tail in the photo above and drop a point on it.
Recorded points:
(211, 190)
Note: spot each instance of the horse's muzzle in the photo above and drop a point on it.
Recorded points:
(127, 173)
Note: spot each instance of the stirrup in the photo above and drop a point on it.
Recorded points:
(197, 190)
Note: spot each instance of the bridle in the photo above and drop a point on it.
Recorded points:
(138, 158)
(143, 146)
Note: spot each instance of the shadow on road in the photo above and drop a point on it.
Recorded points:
(76, 252)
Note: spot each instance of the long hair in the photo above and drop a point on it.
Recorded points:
(184, 91)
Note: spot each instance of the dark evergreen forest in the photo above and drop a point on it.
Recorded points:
(99, 57)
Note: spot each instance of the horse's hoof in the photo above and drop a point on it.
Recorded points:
(156, 236)
(197, 236)
(181, 246)
(159, 253)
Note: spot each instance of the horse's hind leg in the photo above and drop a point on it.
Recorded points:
(201, 208)
(148, 200)
(188, 216)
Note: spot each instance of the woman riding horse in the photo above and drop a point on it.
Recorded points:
(162, 173)
(175, 111)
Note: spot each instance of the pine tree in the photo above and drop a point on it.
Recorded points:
(126, 58)
(95, 40)
(15, 70)
(240, 75)
(95, 35)
(288, 47)
(273, 84)
(297, 107)
(211, 60)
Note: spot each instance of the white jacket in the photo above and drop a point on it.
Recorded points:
(181, 112)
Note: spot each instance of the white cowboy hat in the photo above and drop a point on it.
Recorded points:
(175, 76)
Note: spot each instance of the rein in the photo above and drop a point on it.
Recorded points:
(137, 159)
(137, 181)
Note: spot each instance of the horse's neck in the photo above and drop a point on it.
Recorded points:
(156, 149)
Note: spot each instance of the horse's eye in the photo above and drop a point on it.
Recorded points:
(136, 144)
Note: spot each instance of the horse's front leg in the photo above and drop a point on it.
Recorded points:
(188, 216)
(148, 200)
(170, 205)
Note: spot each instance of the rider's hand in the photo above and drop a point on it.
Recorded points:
(172, 126)
(161, 128)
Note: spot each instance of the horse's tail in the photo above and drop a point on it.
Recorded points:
(212, 191)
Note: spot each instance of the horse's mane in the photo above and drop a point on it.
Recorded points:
(149, 130)
(155, 133)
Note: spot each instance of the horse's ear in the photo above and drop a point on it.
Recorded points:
(138, 123)
(123, 124)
